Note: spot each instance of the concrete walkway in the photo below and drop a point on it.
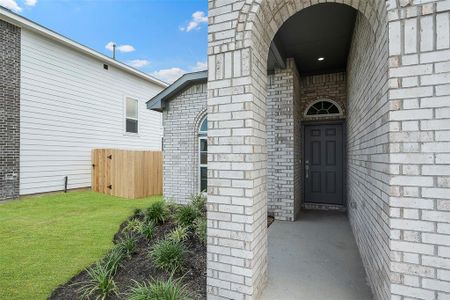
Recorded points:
(315, 258)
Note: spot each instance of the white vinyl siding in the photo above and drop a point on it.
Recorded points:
(71, 105)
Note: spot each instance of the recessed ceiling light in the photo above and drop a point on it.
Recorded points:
(321, 58)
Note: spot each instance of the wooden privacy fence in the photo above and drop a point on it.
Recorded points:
(128, 174)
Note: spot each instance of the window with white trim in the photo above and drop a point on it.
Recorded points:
(203, 155)
(131, 115)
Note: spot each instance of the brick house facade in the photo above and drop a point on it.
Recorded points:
(9, 110)
(394, 98)
(397, 140)
(181, 121)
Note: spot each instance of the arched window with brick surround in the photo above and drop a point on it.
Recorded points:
(323, 108)
(203, 155)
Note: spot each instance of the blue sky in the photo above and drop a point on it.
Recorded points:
(160, 37)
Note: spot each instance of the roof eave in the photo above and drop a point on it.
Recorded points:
(155, 106)
(157, 102)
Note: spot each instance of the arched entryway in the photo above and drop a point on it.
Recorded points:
(314, 152)
(238, 177)
(309, 150)
(240, 38)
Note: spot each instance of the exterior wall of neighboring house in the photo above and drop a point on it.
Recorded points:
(181, 119)
(368, 170)
(9, 110)
(70, 105)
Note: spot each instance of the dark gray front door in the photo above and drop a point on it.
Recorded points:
(324, 164)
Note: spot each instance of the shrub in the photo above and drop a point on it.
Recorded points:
(199, 201)
(171, 204)
(179, 234)
(133, 225)
(186, 215)
(171, 289)
(157, 212)
(100, 283)
(127, 244)
(147, 229)
(138, 212)
(200, 228)
(112, 260)
(168, 254)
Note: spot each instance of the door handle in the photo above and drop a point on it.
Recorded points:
(307, 169)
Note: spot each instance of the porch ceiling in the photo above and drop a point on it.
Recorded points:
(323, 30)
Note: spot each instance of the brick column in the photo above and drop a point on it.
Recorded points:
(237, 196)
(283, 143)
(419, 49)
(9, 110)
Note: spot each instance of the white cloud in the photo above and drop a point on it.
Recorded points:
(11, 4)
(30, 2)
(125, 48)
(119, 48)
(169, 75)
(109, 46)
(192, 25)
(138, 63)
(172, 74)
(198, 18)
(200, 66)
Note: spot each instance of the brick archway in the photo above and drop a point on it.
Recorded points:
(237, 191)
(240, 33)
(262, 19)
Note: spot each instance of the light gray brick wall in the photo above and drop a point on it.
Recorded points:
(9, 110)
(283, 145)
(181, 121)
(368, 169)
(239, 36)
(419, 117)
(237, 158)
(298, 151)
(397, 147)
(331, 86)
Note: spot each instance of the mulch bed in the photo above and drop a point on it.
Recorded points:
(139, 267)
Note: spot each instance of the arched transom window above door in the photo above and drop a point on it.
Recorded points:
(323, 108)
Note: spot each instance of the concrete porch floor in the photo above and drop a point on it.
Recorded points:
(315, 258)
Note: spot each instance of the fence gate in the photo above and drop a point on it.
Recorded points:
(128, 174)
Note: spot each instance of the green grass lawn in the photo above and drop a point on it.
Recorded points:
(46, 240)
